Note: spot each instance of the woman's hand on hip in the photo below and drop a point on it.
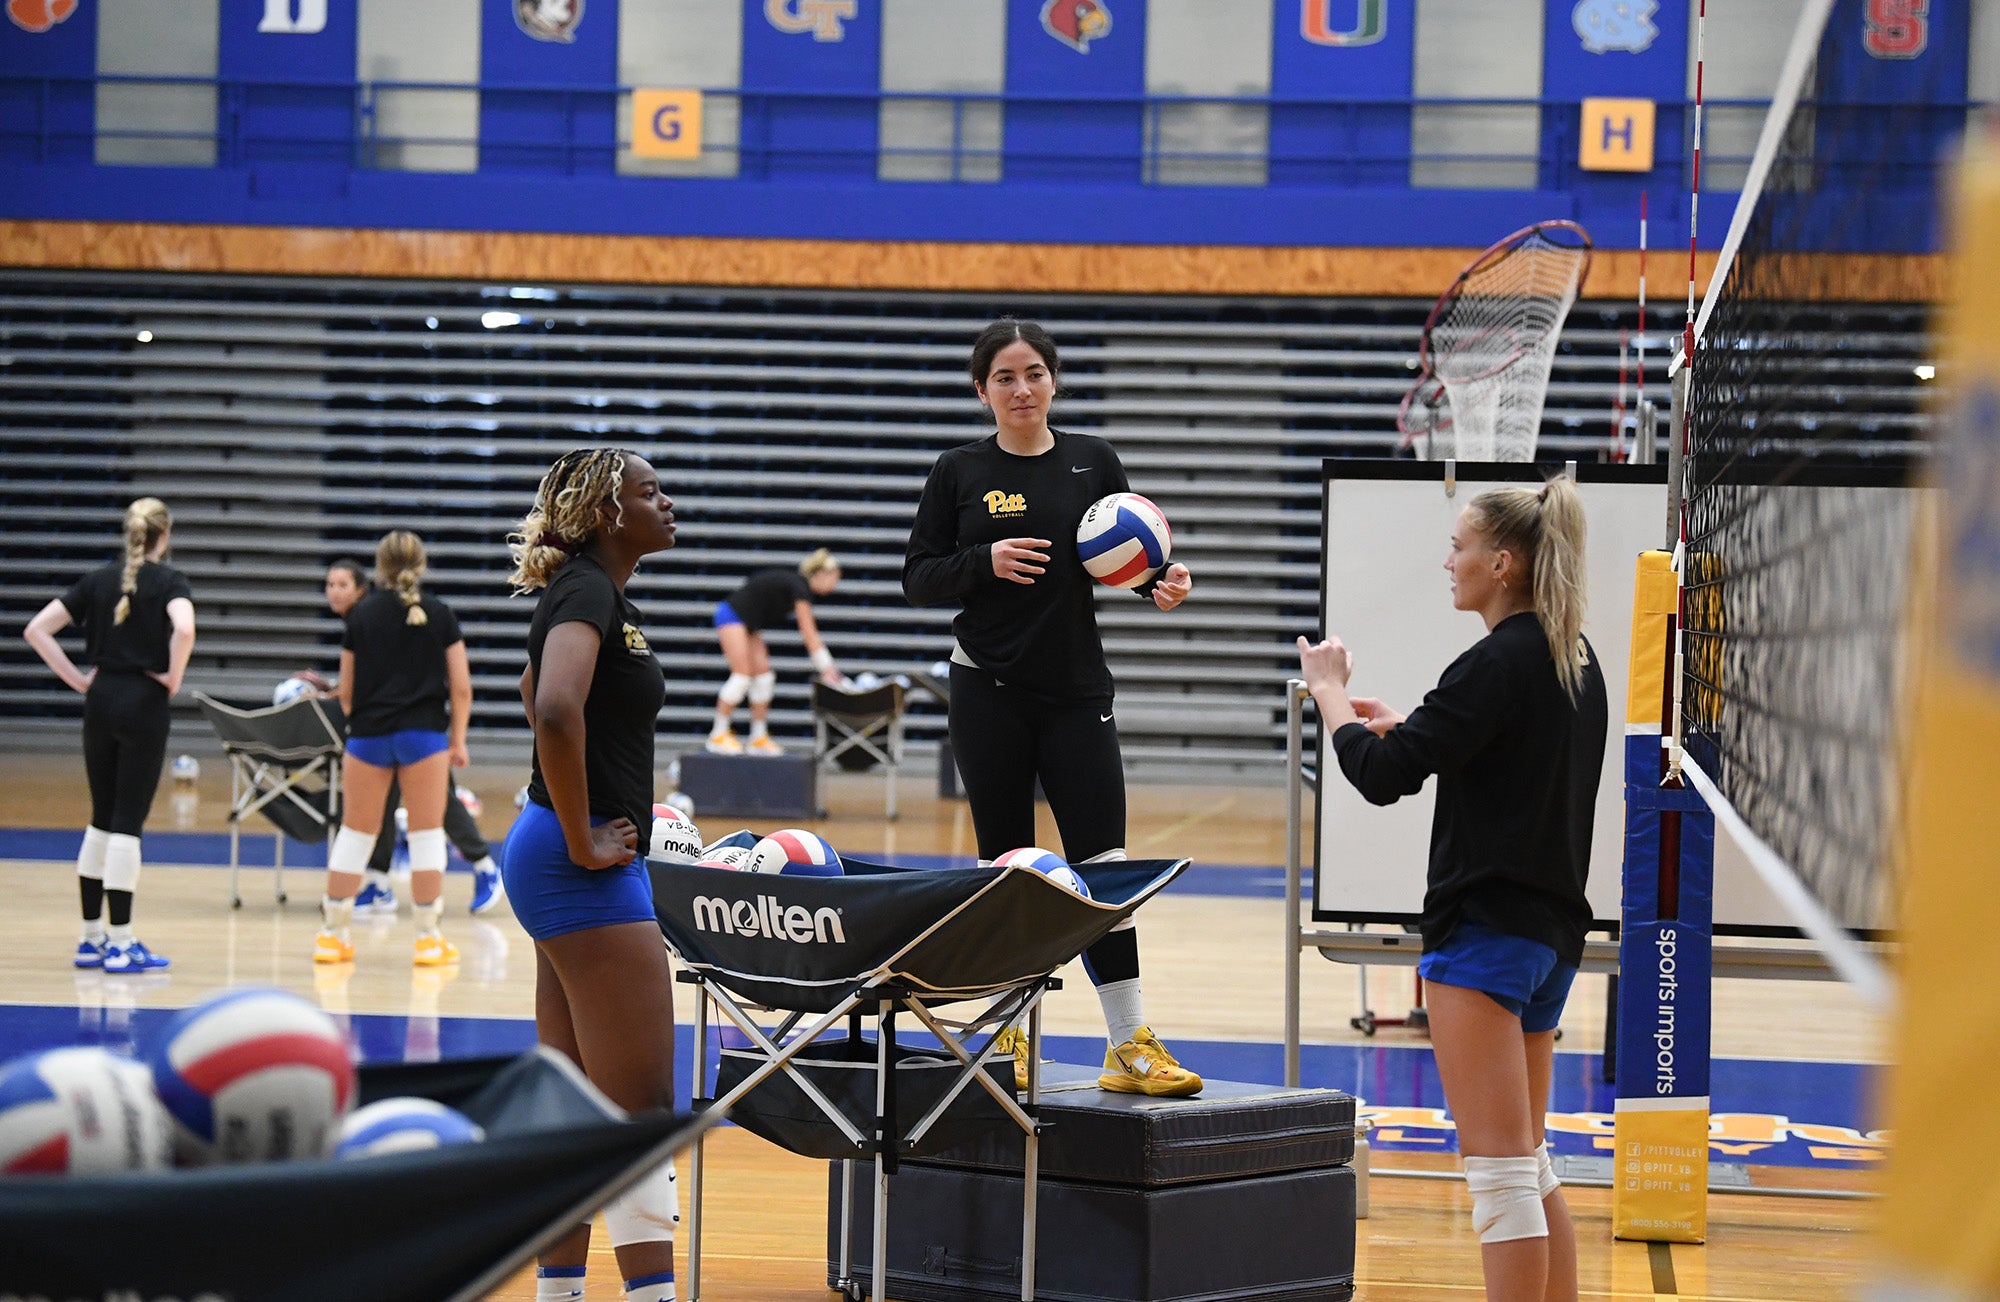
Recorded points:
(611, 844)
(1019, 560)
(1173, 587)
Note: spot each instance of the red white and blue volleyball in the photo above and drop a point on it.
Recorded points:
(1049, 864)
(81, 1111)
(406, 1125)
(675, 837)
(253, 1075)
(794, 853)
(1123, 540)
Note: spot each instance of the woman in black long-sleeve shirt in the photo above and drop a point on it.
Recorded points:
(995, 534)
(1515, 733)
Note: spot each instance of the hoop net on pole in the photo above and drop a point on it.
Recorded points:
(1490, 343)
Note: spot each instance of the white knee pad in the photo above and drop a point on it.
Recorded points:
(648, 1211)
(1506, 1202)
(350, 852)
(427, 850)
(763, 687)
(121, 862)
(734, 690)
(90, 859)
(1545, 1171)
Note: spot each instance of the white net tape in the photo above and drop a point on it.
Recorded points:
(1493, 341)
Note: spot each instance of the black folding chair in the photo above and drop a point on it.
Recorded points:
(284, 763)
(856, 730)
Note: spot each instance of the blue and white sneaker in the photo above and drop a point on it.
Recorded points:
(134, 957)
(487, 891)
(375, 898)
(90, 953)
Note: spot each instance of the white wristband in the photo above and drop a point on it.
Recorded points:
(822, 659)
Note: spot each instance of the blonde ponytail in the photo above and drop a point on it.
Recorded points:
(577, 498)
(145, 520)
(399, 564)
(820, 559)
(1545, 530)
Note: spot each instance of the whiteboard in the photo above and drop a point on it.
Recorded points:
(1383, 588)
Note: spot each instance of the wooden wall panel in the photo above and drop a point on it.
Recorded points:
(837, 264)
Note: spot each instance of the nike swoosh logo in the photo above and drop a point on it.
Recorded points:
(1104, 718)
(1077, 470)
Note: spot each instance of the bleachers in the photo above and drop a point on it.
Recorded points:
(289, 422)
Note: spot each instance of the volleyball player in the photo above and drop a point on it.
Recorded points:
(346, 584)
(766, 599)
(1514, 731)
(1031, 696)
(593, 690)
(137, 617)
(402, 663)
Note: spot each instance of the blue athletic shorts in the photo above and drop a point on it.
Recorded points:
(552, 896)
(1523, 976)
(405, 747)
(725, 615)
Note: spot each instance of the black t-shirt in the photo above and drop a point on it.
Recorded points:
(627, 689)
(400, 682)
(768, 597)
(1518, 766)
(1041, 636)
(139, 645)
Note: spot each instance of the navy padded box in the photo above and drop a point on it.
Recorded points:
(955, 1236)
(751, 786)
(1230, 1129)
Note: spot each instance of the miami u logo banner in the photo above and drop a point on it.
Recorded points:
(1371, 22)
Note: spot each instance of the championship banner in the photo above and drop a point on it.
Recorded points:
(1611, 49)
(562, 56)
(1359, 58)
(1659, 1188)
(302, 133)
(1941, 1214)
(1065, 53)
(54, 40)
(833, 46)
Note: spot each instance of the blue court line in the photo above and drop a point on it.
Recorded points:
(1779, 1113)
(211, 849)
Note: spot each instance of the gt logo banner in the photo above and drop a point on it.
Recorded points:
(825, 19)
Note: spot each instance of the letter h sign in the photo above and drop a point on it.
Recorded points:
(1616, 135)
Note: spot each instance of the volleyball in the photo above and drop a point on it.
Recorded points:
(84, 1111)
(470, 799)
(1049, 864)
(404, 1126)
(253, 1075)
(290, 690)
(1123, 540)
(795, 853)
(732, 857)
(186, 768)
(675, 837)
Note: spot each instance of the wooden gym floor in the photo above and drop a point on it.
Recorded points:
(1214, 973)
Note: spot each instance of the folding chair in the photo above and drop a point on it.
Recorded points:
(284, 763)
(855, 731)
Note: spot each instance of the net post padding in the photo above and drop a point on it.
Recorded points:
(1489, 344)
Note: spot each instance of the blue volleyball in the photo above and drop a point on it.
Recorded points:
(404, 1126)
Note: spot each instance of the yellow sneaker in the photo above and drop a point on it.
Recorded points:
(1142, 1065)
(764, 746)
(1015, 1040)
(331, 947)
(724, 743)
(434, 950)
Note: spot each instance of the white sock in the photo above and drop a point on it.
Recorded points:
(337, 914)
(121, 862)
(93, 930)
(720, 726)
(760, 729)
(119, 936)
(559, 1284)
(651, 1288)
(486, 867)
(427, 916)
(1124, 1009)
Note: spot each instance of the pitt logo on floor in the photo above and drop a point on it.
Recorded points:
(1000, 505)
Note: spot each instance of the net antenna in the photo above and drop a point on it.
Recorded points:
(1489, 343)
(1794, 516)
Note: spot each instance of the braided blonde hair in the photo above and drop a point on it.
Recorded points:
(576, 499)
(1545, 530)
(399, 564)
(145, 520)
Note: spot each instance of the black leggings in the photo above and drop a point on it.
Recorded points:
(459, 828)
(125, 722)
(1004, 738)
